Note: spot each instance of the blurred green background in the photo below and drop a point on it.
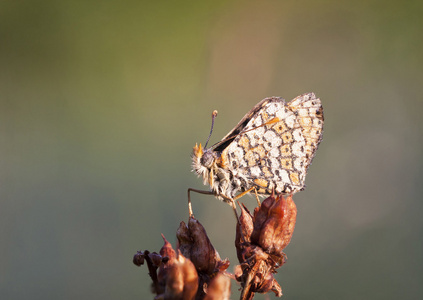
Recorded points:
(102, 102)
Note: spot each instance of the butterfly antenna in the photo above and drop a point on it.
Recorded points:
(214, 114)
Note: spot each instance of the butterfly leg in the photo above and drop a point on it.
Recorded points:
(245, 192)
(234, 208)
(231, 202)
(257, 197)
(189, 198)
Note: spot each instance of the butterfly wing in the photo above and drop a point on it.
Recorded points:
(309, 111)
(245, 123)
(275, 155)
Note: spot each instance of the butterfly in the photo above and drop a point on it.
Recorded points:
(270, 150)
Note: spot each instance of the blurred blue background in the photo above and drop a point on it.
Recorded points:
(102, 102)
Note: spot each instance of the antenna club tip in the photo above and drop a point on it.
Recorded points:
(214, 114)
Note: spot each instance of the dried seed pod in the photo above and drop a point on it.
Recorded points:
(276, 231)
(156, 259)
(195, 245)
(138, 259)
(181, 281)
(168, 259)
(261, 214)
(177, 277)
(167, 250)
(184, 239)
(260, 254)
(203, 254)
(244, 228)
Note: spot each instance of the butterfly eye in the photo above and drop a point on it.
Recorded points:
(207, 159)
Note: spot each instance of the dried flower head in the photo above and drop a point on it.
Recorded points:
(176, 277)
(195, 270)
(259, 249)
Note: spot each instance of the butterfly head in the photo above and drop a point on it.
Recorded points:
(203, 161)
(208, 163)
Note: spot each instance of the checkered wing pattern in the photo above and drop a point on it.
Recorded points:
(276, 146)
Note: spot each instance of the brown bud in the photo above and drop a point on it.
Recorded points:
(168, 258)
(275, 231)
(184, 239)
(177, 277)
(196, 246)
(203, 254)
(138, 259)
(190, 277)
(167, 250)
(260, 216)
(245, 225)
(156, 259)
(182, 280)
(244, 228)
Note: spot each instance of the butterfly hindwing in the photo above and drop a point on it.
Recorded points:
(276, 155)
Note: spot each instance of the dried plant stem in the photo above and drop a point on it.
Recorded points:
(152, 271)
